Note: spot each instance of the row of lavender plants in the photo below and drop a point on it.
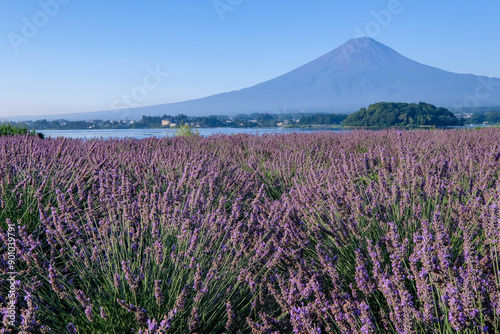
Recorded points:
(360, 232)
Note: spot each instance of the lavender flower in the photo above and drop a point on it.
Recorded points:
(230, 317)
(363, 279)
(103, 313)
(158, 294)
(194, 320)
(71, 328)
(116, 278)
(132, 280)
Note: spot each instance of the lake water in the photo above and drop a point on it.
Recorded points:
(159, 133)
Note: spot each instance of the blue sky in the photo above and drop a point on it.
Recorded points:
(64, 56)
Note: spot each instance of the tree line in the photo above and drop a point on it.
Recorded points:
(254, 120)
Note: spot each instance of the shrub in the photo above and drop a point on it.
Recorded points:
(186, 131)
(7, 129)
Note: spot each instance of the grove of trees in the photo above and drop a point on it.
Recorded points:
(389, 114)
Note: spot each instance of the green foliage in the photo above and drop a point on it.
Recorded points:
(386, 114)
(6, 129)
(186, 131)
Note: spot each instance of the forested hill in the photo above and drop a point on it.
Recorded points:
(385, 114)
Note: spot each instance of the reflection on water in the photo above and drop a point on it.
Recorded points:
(146, 133)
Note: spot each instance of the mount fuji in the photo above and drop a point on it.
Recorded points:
(360, 72)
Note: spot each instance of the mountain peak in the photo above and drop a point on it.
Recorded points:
(362, 46)
(360, 41)
(357, 55)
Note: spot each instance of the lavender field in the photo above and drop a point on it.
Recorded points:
(361, 232)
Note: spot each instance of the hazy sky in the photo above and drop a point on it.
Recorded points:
(62, 56)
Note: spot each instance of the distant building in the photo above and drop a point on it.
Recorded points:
(165, 122)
